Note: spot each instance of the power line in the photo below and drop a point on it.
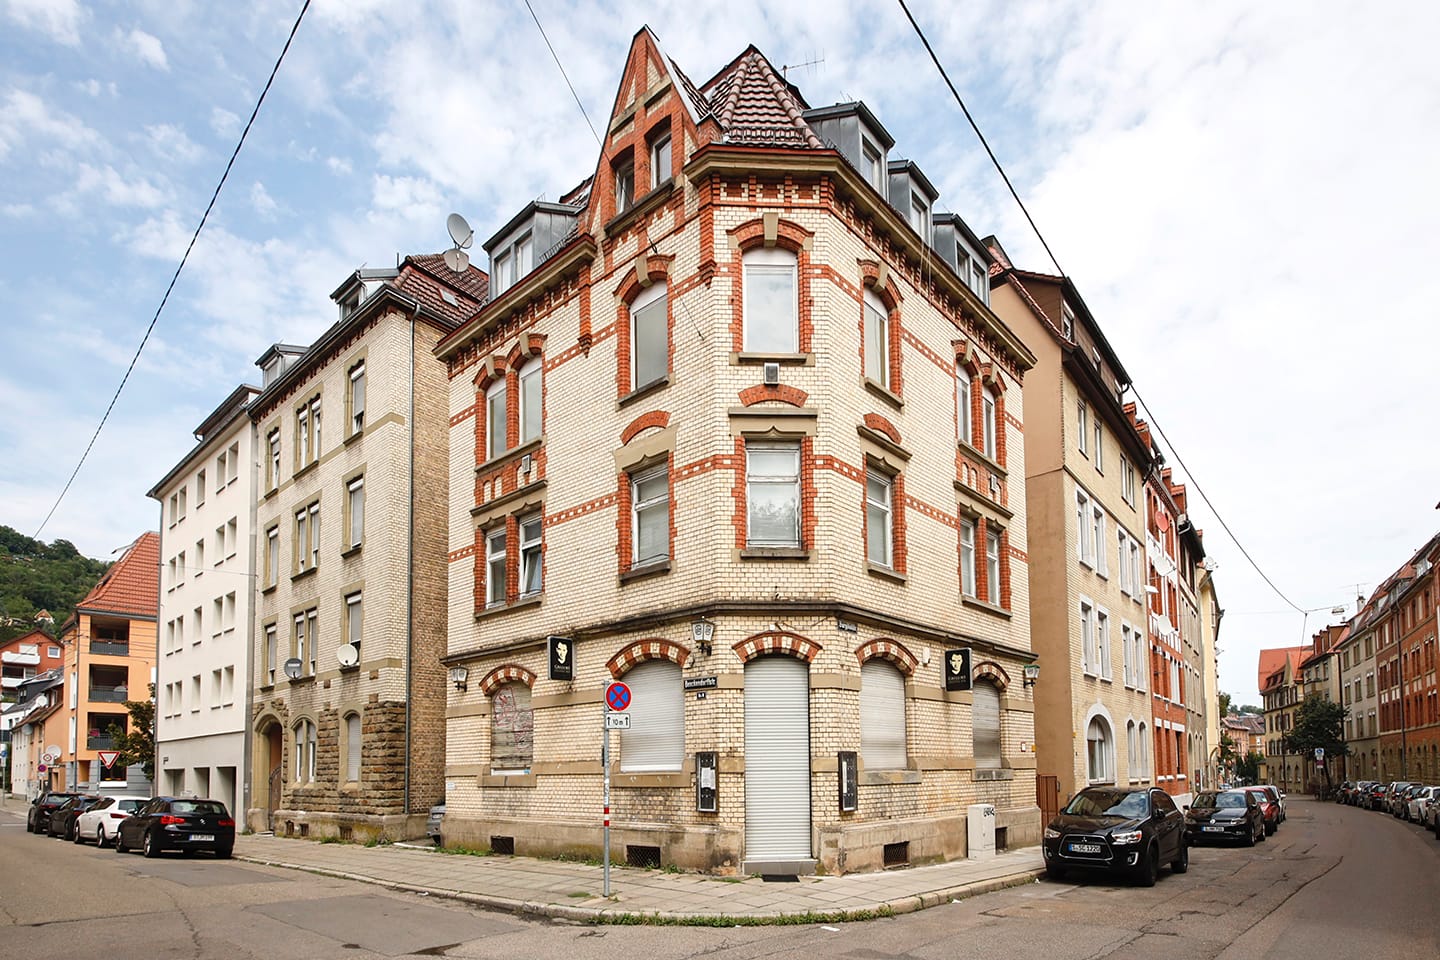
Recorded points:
(563, 73)
(181, 266)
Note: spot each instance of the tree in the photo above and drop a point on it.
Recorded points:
(137, 745)
(1248, 769)
(1224, 704)
(1249, 708)
(1319, 725)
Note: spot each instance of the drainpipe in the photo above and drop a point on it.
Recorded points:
(246, 784)
(410, 569)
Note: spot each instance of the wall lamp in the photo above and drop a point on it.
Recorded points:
(1029, 673)
(458, 676)
(702, 632)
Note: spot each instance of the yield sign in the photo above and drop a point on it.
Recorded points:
(108, 757)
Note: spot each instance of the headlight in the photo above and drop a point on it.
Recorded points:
(1123, 837)
(1051, 833)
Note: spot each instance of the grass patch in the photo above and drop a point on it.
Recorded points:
(578, 895)
(792, 920)
(462, 851)
(377, 842)
(331, 840)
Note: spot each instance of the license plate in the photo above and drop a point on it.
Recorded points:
(1213, 829)
(202, 836)
(1084, 848)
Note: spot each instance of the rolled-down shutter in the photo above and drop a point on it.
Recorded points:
(882, 716)
(656, 738)
(777, 759)
(985, 718)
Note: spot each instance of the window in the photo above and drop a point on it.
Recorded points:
(650, 508)
(307, 537)
(1122, 557)
(352, 747)
(1067, 322)
(1127, 649)
(656, 739)
(1099, 751)
(531, 400)
(272, 557)
(200, 557)
(872, 163)
(920, 215)
(306, 639)
(1102, 641)
(354, 619)
(272, 465)
(272, 648)
(200, 488)
(1084, 544)
(1099, 446)
(967, 557)
(1097, 538)
(496, 442)
(219, 543)
(495, 567)
(530, 555)
(222, 463)
(772, 493)
(1127, 481)
(1089, 654)
(992, 564)
(660, 159)
(195, 693)
(1132, 750)
(235, 458)
(503, 274)
(305, 751)
(985, 725)
(512, 730)
(1136, 588)
(232, 537)
(882, 716)
(649, 336)
(307, 433)
(624, 185)
(771, 294)
(987, 411)
(1082, 434)
(879, 543)
(963, 423)
(355, 512)
(52, 652)
(877, 339)
(357, 397)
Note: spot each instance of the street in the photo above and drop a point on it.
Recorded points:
(1334, 882)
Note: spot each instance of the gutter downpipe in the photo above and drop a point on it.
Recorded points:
(410, 569)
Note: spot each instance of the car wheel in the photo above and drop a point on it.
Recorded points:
(151, 848)
(1182, 862)
(1149, 869)
(1250, 837)
(1270, 828)
(75, 835)
(119, 841)
(100, 837)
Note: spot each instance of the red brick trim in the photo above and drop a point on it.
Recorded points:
(791, 644)
(992, 671)
(655, 418)
(509, 673)
(655, 648)
(894, 651)
(880, 424)
(785, 394)
(657, 268)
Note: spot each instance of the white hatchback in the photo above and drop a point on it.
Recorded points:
(1418, 802)
(101, 822)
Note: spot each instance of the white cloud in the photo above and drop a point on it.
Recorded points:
(225, 124)
(18, 211)
(57, 19)
(339, 166)
(147, 47)
(24, 116)
(94, 88)
(116, 189)
(171, 143)
(261, 202)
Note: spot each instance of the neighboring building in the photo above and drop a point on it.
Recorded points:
(1320, 677)
(348, 722)
(109, 646)
(694, 438)
(1246, 733)
(1406, 671)
(1280, 684)
(1208, 602)
(1358, 691)
(207, 508)
(36, 724)
(1085, 471)
(24, 657)
(1197, 648)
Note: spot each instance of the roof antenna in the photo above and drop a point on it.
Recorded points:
(785, 70)
(456, 258)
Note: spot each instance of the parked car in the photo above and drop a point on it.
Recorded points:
(1117, 830)
(1269, 808)
(62, 819)
(1358, 795)
(433, 822)
(1278, 796)
(1226, 815)
(100, 821)
(1391, 804)
(1415, 805)
(38, 819)
(1342, 792)
(1374, 798)
(178, 823)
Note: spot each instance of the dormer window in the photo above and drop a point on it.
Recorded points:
(872, 163)
(659, 159)
(503, 274)
(1067, 322)
(920, 215)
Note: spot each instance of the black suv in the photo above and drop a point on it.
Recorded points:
(1129, 831)
(38, 819)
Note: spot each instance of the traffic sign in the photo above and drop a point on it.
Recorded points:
(108, 757)
(1319, 753)
(617, 721)
(40, 768)
(617, 696)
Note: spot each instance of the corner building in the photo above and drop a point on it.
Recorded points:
(739, 425)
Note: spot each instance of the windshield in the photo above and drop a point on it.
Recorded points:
(1110, 803)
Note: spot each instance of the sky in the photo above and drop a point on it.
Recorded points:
(1245, 195)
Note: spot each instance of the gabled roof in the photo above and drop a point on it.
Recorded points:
(1273, 661)
(430, 279)
(131, 587)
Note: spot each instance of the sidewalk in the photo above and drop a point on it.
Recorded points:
(573, 890)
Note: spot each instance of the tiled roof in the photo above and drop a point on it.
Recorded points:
(132, 585)
(1273, 660)
(428, 279)
(692, 92)
(755, 107)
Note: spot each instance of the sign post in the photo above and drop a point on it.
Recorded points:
(617, 698)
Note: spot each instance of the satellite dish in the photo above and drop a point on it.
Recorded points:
(293, 667)
(460, 231)
(52, 753)
(347, 654)
(457, 260)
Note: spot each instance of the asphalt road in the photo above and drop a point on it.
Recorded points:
(1335, 882)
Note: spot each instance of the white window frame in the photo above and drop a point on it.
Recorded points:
(532, 400)
(1102, 641)
(1099, 446)
(273, 443)
(502, 272)
(1099, 762)
(1082, 539)
(776, 480)
(355, 617)
(876, 344)
(873, 161)
(531, 531)
(355, 507)
(1082, 416)
(652, 509)
(495, 562)
(965, 416)
(879, 511)
(655, 741)
(660, 159)
(272, 652)
(357, 397)
(993, 549)
(1067, 322)
(1088, 652)
(968, 586)
(643, 313)
(272, 556)
(624, 186)
(783, 332)
(989, 406)
(354, 744)
(497, 441)
(1097, 539)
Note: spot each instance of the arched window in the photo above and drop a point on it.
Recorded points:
(1144, 751)
(771, 298)
(305, 751)
(1132, 750)
(985, 725)
(512, 730)
(649, 337)
(882, 715)
(1100, 751)
(964, 423)
(352, 747)
(988, 425)
(655, 741)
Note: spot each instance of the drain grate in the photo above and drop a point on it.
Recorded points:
(639, 856)
(897, 854)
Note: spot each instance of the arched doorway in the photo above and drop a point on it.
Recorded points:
(269, 772)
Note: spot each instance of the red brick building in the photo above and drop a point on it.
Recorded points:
(1405, 657)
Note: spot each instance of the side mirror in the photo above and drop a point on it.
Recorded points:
(1186, 807)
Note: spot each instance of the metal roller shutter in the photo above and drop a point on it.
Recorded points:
(777, 759)
(882, 716)
(985, 719)
(656, 738)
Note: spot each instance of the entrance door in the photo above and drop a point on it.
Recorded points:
(277, 771)
(777, 763)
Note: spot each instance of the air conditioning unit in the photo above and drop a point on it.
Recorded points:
(772, 374)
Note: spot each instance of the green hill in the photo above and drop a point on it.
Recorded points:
(35, 577)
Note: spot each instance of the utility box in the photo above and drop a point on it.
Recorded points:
(980, 830)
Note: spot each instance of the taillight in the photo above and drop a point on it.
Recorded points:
(167, 820)
(118, 816)
(227, 822)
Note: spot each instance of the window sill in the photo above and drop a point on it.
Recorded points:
(986, 606)
(353, 551)
(652, 198)
(352, 437)
(310, 467)
(266, 591)
(984, 458)
(309, 572)
(871, 778)
(270, 494)
(353, 668)
(521, 604)
(774, 553)
(640, 781)
(507, 780)
(888, 573)
(514, 453)
(652, 569)
(639, 393)
(883, 392)
(784, 359)
(301, 681)
(266, 687)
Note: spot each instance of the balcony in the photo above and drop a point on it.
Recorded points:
(10, 683)
(117, 648)
(24, 659)
(99, 743)
(109, 694)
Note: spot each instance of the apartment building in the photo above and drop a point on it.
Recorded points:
(1086, 472)
(24, 657)
(207, 513)
(1406, 670)
(36, 728)
(1320, 677)
(1281, 684)
(694, 450)
(1246, 733)
(1358, 693)
(347, 724)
